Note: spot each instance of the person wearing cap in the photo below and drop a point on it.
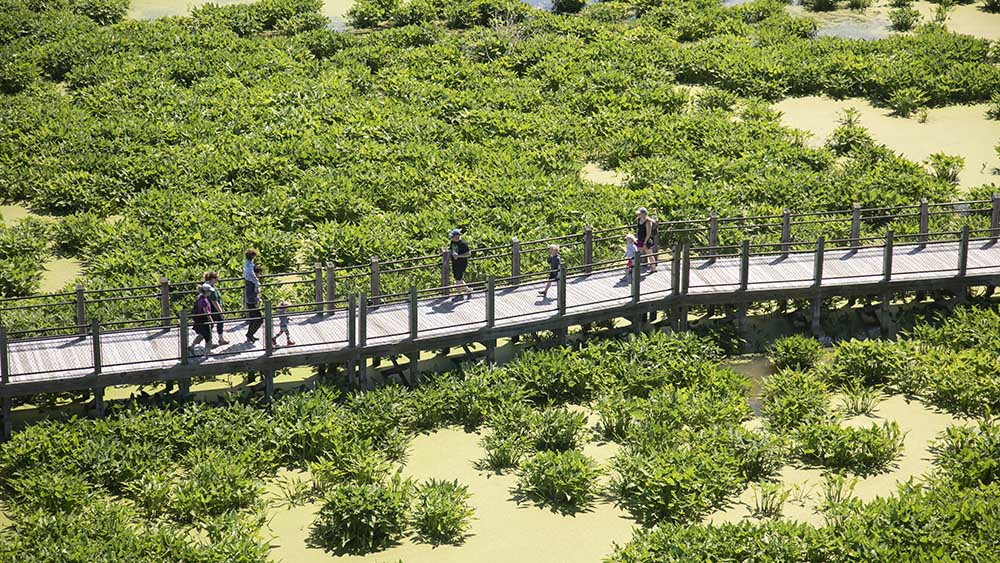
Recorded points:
(645, 236)
(201, 319)
(460, 253)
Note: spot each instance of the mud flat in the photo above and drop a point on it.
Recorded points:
(961, 130)
(336, 10)
(502, 530)
(873, 23)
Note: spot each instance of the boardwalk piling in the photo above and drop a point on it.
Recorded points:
(352, 337)
(515, 261)
(636, 294)
(331, 287)
(165, 301)
(963, 252)
(318, 287)
(786, 232)
(95, 339)
(713, 236)
(4, 380)
(855, 226)
(183, 338)
(686, 268)
(376, 282)
(924, 223)
(268, 329)
(362, 337)
(588, 249)
(887, 258)
(445, 273)
(818, 261)
(675, 270)
(744, 265)
(491, 314)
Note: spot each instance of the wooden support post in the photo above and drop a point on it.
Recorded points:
(413, 321)
(491, 318)
(686, 268)
(515, 261)
(884, 321)
(362, 320)
(741, 325)
(268, 329)
(588, 249)
(376, 283)
(268, 385)
(855, 226)
(81, 310)
(786, 232)
(318, 289)
(98, 390)
(923, 222)
(184, 389)
(352, 337)
(184, 336)
(331, 287)
(995, 218)
(445, 273)
(165, 312)
(675, 270)
(561, 334)
(8, 426)
(818, 262)
(817, 308)
(963, 252)
(744, 265)
(684, 317)
(713, 236)
(887, 258)
(636, 294)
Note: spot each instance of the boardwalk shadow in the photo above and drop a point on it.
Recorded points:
(447, 305)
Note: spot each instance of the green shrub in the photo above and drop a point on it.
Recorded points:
(820, 5)
(966, 383)
(863, 451)
(860, 400)
(795, 352)
(867, 362)
(356, 463)
(17, 72)
(565, 480)
(680, 483)
(504, 451)
(558, 429)
(441, 512)
(616, 414)
(993, 111)
(905, 101)
(567, 6)
(991, 6)
(760, 454)
(49, 491)
(962, 329)
(371, 13)
(969, 456)
(358, 518)
(790, 399)
(213, 483)
(553, 376)
(859, 5)
(716, 98)
(904, 18)
(769, 500)
(103, 12)
(900, 3)
(946, 167)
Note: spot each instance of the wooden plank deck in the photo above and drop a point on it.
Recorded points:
(158, 349)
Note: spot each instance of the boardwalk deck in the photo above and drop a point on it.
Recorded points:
(149, 354)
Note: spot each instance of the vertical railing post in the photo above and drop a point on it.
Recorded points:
(318, 287)
(414, 326)
(352, 321)
(362, 320)
(376, 283)
(818, 261)
(636, 279)
(855, 226)
(675, 270)
(4, 357)
(963, 252)
(95, 344)
(331, 286)
(165, 301)
(491, 318)
(995, 218)
(268, 329)
(713, 237)
(588, 249)
(924, 222)
(744, 265)
(561, 290)
(686, 268)
(184, 339)
(887, 258)
(81, 310)
(786, 232)
(445, 273)
(515, 261)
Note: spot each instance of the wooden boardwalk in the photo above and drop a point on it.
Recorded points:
(154, 354)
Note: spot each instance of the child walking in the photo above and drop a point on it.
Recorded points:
(283, 325)
(630, 253)
(555, 262)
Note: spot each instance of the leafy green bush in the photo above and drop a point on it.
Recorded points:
(790, 399)
(566, 480)
(51, 492)
(616, 414)
(23, 251)
(558, 429)
(567, 6)
(905, 101)
(103, 12)
(860, 400)
(969, 456)
(820, 5)
(863, 451)
(991, 6)
(504, 451)
(859, 5)
(967, 383)
(760, 454)
(553, 376)
(993, 111)
(356, 465)
(946, 167)
(904, 18)
(867, 362)
(371, 13)
(795, 352)
(441, 512)
(359, 518)
(900, 3)
(17, 72)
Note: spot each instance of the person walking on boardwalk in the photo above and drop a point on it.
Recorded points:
(218, 310)
(249, 267)
(555, 263)
(631, 254)
(283, 325)
(251, 300)
(645, 236)
(460, 253)
(201, 319)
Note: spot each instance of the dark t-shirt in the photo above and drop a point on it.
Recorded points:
(459, 247)
(554, 262)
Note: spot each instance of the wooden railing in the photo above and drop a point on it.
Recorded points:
(326, 287)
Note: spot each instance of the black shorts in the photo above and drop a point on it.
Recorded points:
(458, 269)
(554, 275)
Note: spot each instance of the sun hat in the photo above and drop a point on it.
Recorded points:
(455, 232)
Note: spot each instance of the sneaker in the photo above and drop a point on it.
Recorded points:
(223, 341)
(291, 343)
(251, 339)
